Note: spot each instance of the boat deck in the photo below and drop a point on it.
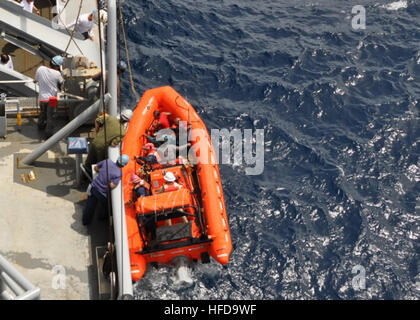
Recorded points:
(41, 231)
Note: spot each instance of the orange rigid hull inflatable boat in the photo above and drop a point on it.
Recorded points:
(190, 221)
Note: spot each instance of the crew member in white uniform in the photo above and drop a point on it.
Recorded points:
(84, 25)
(29, 5)
(50, 81)
(6, 61)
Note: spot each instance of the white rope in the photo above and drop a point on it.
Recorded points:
(74, 29)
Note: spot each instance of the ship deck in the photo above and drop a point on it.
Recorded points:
(41, 232)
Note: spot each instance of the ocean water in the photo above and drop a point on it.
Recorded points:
(339, 195)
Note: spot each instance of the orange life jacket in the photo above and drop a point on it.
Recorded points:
(172, 187)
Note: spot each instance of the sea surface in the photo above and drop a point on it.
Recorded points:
(338, 201)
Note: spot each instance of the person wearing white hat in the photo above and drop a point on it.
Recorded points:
(170, 183)
(125, 117)
(84, 25)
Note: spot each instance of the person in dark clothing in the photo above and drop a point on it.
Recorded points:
(162, 136)
(109, 176)
(161, 120)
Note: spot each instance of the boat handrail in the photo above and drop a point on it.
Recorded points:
(16, 81)
(12, 279)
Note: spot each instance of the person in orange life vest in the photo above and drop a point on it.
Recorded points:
(178, 123)
(152, 156)
(182, 160)
(141, 187)
(170, 183)
(161, 120)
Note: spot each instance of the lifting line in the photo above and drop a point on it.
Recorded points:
(133, 89)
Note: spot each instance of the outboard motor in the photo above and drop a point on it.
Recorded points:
(181, 264)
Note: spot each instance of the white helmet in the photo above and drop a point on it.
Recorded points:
(126, 114)
(169, 176)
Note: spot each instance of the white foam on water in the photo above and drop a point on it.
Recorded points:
(397, 5)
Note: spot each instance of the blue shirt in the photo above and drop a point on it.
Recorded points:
(101, 182)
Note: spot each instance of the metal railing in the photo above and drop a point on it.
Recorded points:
(13, 285)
